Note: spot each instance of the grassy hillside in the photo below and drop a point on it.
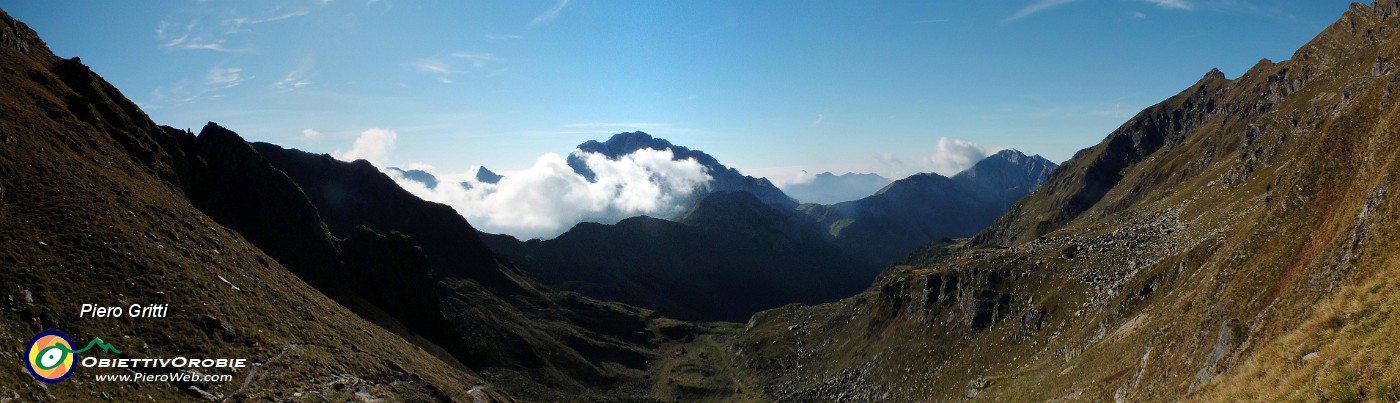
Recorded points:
(1202, 250)
(88, 215)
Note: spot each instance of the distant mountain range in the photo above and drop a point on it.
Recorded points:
(913, 211)
(483, 175)
(734, 253)
(828, 188)
(416, 175)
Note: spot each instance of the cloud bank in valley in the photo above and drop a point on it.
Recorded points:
(548, 198)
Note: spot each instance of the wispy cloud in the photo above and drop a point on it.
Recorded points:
(477, 60)
(291, 81)
(1173, 4)
(1037, 7)
(436, 67)
(186, 91)
(310, 133)
(446, 68)
(503, 37)
(550, 14)
(296, 78)
(224, 77)
(235, 24)
(821, 118)
(190, 37)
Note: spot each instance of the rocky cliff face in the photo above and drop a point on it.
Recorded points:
(1226, 244)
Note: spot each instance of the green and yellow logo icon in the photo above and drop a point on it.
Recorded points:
(51, 356)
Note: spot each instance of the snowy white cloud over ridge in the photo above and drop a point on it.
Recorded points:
(548, 198)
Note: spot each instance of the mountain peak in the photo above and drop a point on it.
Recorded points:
(417, 175)
(1011, 155)
(628, 142)
(724, 178)
(484, 175)
(1214, 75)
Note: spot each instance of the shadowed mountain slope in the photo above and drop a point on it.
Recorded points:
(346, 286)
(731, 256)
(95, 209)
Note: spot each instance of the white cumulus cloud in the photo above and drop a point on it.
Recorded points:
(373, 145)
(548, 198)
(950, 157)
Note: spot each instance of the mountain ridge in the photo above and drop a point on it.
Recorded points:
(918, 209)
(743, 249)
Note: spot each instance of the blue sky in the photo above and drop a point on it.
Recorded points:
(770, 87)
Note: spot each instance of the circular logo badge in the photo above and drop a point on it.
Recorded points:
(50, 357)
